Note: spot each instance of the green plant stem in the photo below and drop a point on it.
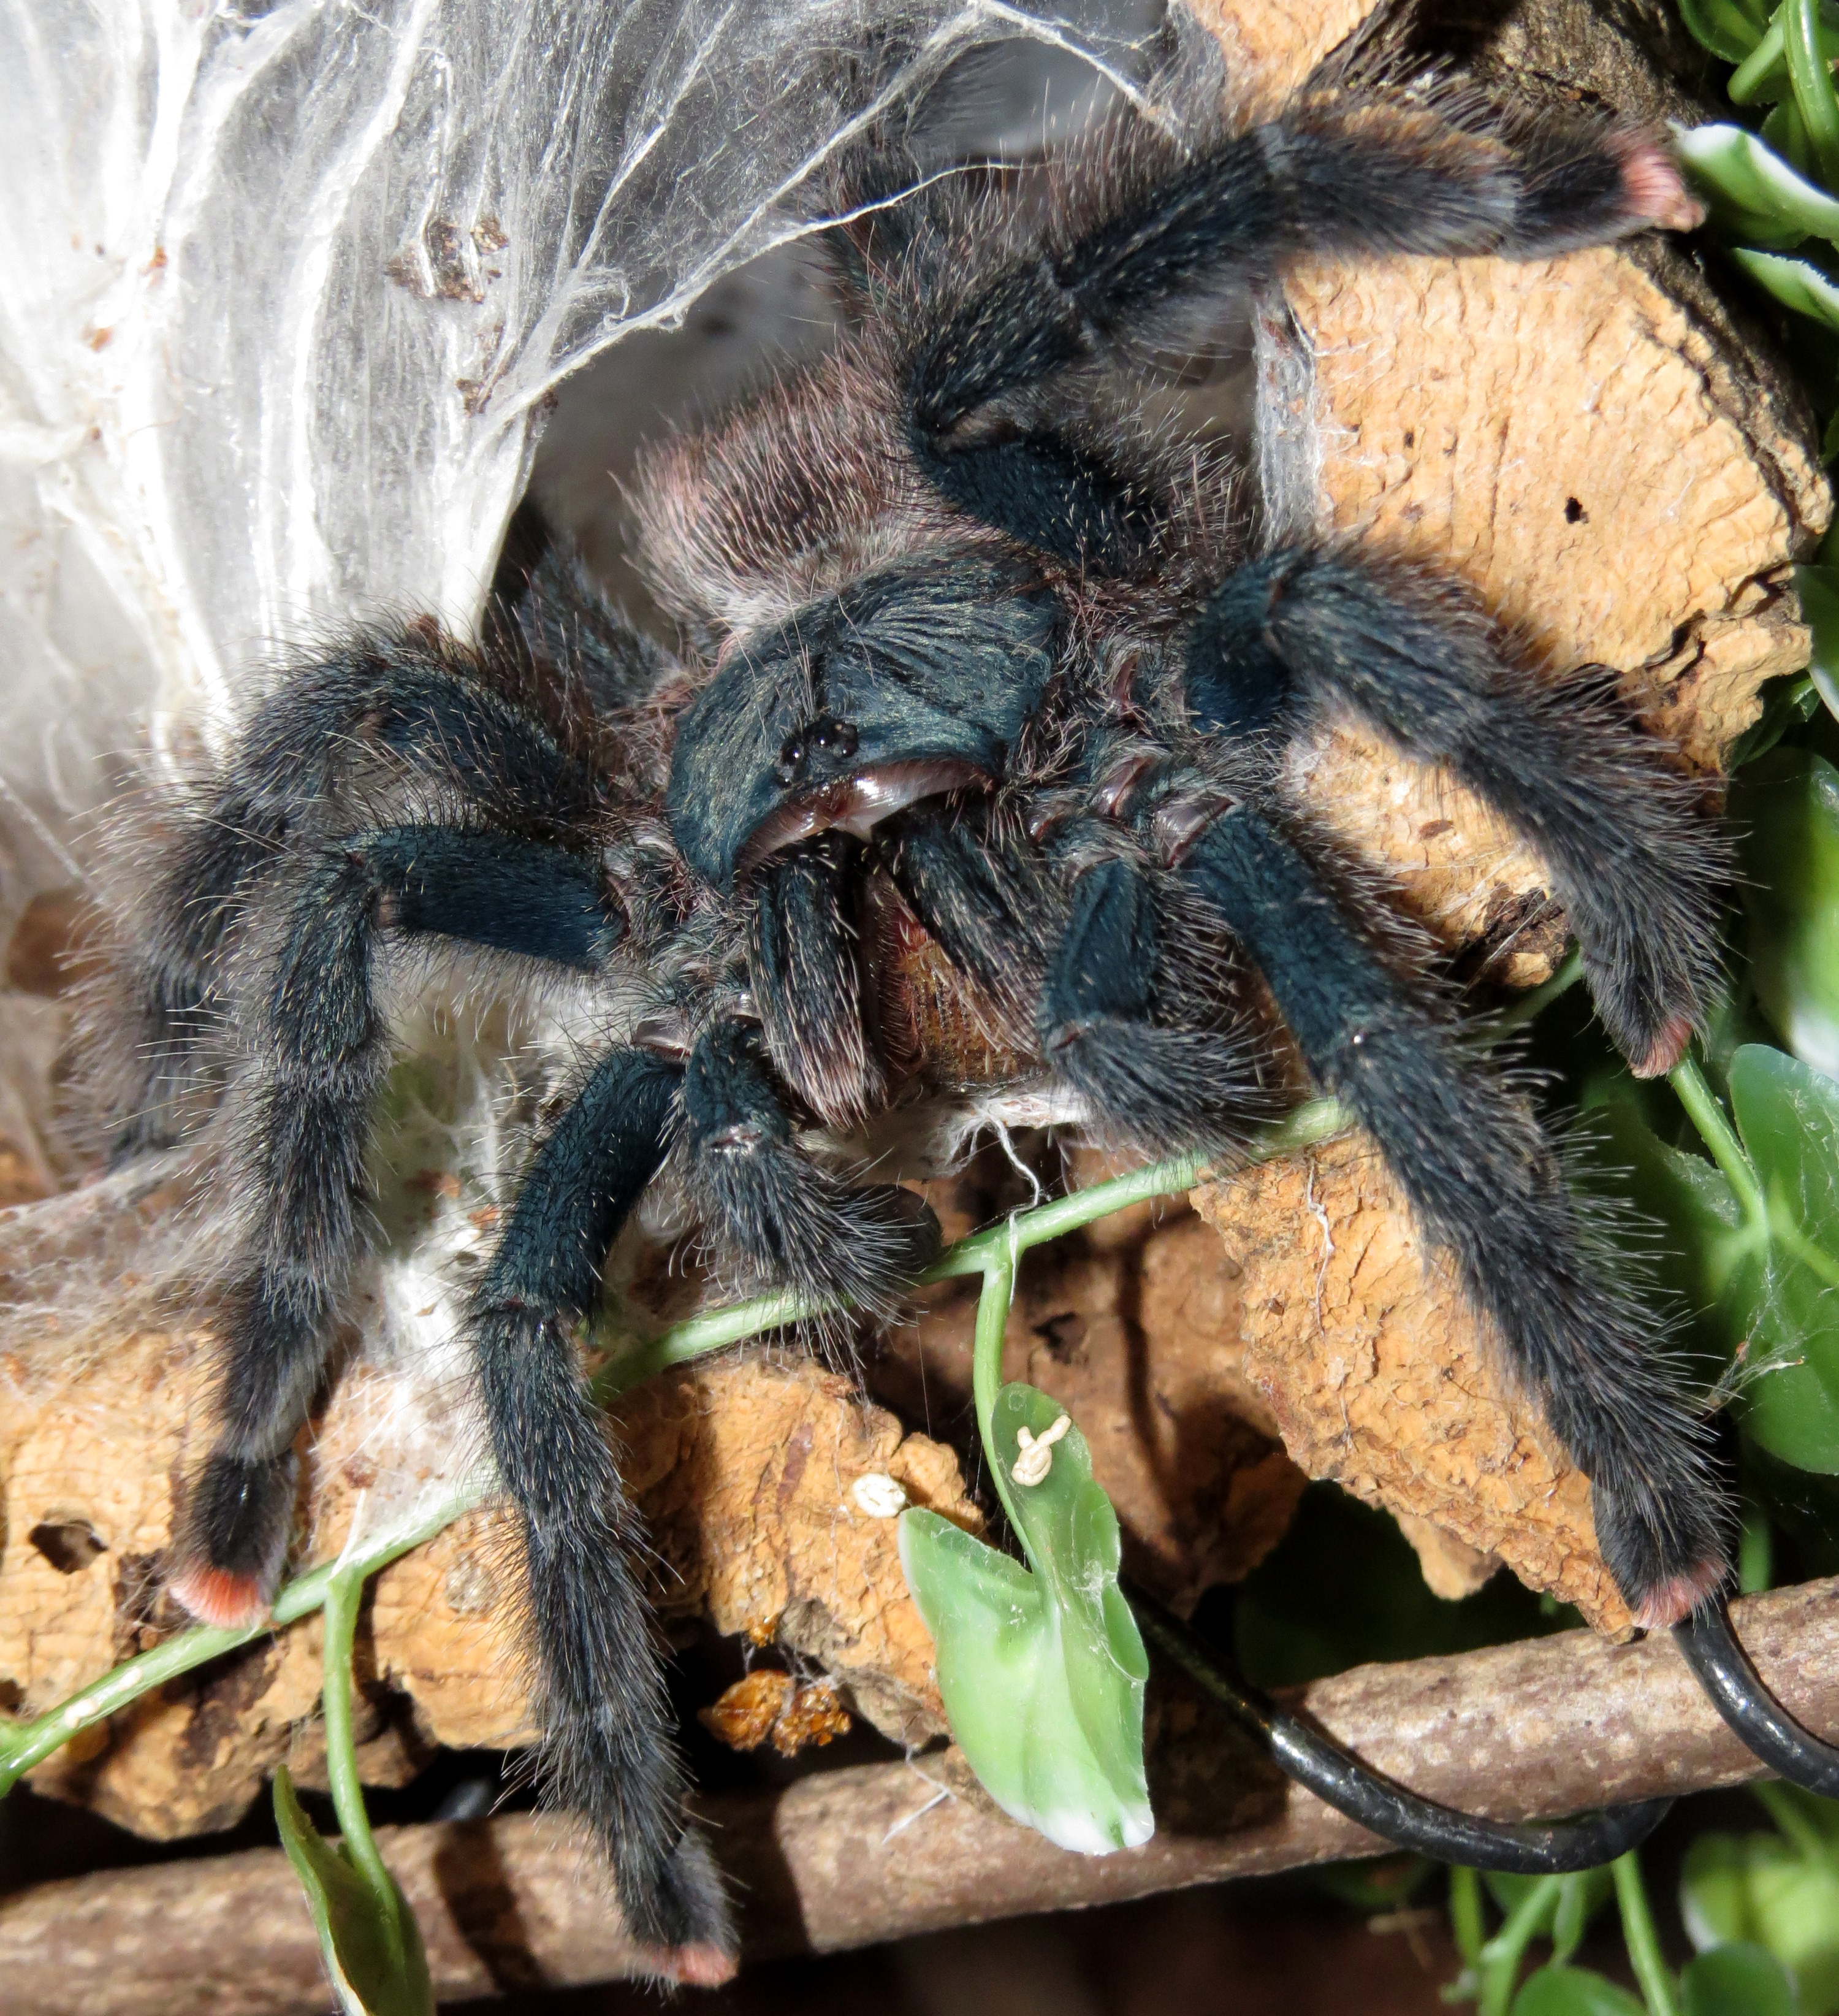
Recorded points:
(1779, 1803)
(1764, 61)
(1658, 1989)
(1524, 1008)
(1467, 1924)
(345, 1593)
(24, 1745)
(1813, 95)
(1728, 1152)
(1720, 1137)
(1502, 1954)
(986, 1368)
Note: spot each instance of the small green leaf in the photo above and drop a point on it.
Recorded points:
(1737, 1980)
(1042, 1673)
(1789, 1117)
(372, 1946)
(1722, 27)
(1573, 1991)
(1818, 587)
(1756, 196)
(1786, 807)
(1796, 284)
(1760, 1889)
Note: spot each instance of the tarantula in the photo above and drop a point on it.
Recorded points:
(973, 653)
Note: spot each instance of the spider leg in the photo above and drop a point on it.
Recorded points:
(1156, 230)
(319, 1047)
(1637, 866)
(1486, 1185)
(1177, 1087)
(976, 892)
(399, 701)
(608, 1748)
(790, 1218)
(804, 970)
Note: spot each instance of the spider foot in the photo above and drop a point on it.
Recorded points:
(234, 1540)
(215, 1596)
(701, 1964)
(1668, 1047)
(1338, 1778)
(1670, 1602)
(1653, 184)
(1760, 1722)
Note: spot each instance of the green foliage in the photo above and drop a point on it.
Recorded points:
(1573, 1991)
(1737, 1980)
(369, 1938)
(1776, 1893)
(1042, 1673)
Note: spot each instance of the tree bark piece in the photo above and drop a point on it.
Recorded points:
(846, 1858)
(1381, 1376)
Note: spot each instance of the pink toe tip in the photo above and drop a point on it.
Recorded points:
(1673, 1601)
(214, 1596)
(701, 1964)
(1665, 1051)
(1656, 191)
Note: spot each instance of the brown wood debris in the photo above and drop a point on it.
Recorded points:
(1380, 1377)
(771, 1707)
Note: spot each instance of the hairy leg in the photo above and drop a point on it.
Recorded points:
(318, 1050)
(1488, 1186)
(1103, 1029)
(1637, 865)
(790, 1220)
(398, 703)
(608, 1749)
(804, 968)
(1154, 229)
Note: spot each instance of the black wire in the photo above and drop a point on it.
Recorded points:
(1336, 1776)
(1765, 1727)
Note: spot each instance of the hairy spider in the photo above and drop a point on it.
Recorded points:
(973, 653)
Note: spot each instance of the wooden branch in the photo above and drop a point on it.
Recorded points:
(850, 1857)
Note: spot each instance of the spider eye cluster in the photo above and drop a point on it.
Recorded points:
(824, 737)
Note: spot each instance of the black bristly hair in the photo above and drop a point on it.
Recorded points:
(969, 640)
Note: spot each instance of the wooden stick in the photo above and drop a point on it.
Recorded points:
(846, 1858)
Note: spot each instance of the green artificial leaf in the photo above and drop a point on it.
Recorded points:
(371, 1944)
(1787, 703)
(1818, 588)
(1796, 284)
(1756, 196)
(1725, 28)
(1761, 1890)
(1042, 1673)
(1786, 806)
(1573, 1991)
(1737, 1980)
(1789, 1117)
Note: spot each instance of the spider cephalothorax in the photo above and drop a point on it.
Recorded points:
(975, 658)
